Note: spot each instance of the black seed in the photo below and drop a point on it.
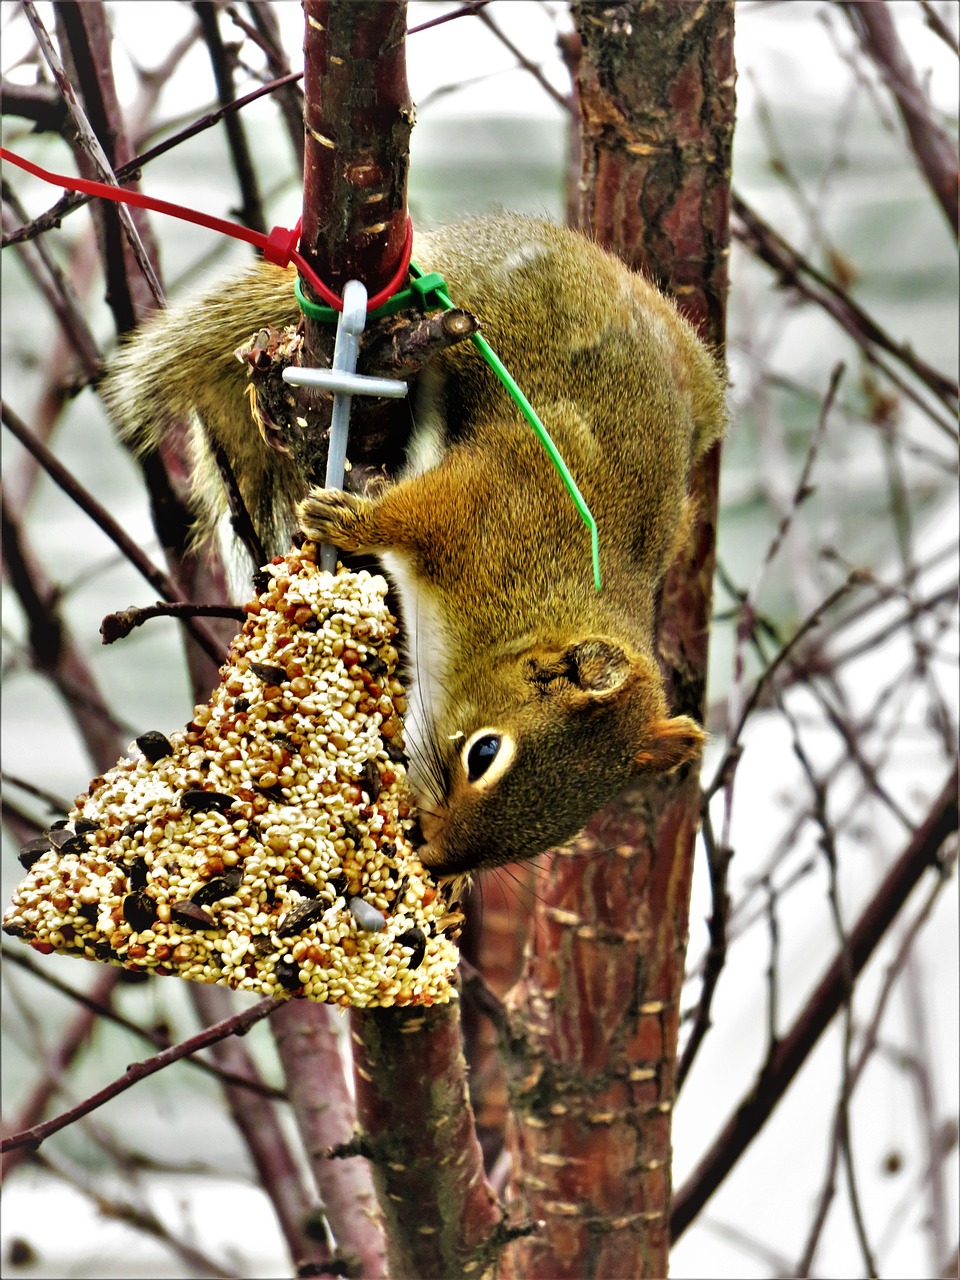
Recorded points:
(16, 929)
(217, 888)
(133, 977)
(103, 950)
(370, 780)
(83, 826)
(288, 974)
(352, 832)
(267, 673)
(154, 745)
(261, 581)
(198, 801)
(89, 911)
(414, 938)
(133, 828)
(304, 888)
(21, 1253)
(76, 844)
(189, 915)
(263, 945)
(59, 824)
(338, 884)
(33, 851)
(241, 704)
(274, 793)
(311, 624)
(388, 848)
(394, 753)
(139, 910)
(284, 740)
(374, 664)
(303, 914)
(58, 836)
(137, 873)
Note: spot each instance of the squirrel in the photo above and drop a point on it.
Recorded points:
(533, 698)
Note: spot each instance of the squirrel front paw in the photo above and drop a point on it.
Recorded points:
(343, 520)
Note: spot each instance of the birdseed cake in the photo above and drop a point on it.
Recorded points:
(265, 846)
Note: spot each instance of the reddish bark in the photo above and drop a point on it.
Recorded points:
(412, 1103)
(599, 998)
(442, 1218)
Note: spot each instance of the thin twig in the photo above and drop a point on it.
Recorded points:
(934, 149)
(237, 1024)
(91, 145)
(251, 208)
(155, 1038)
(131, 170)
(797, 273)
(161, 583)
(117, 626)
(867, 1047)
(795, 1046)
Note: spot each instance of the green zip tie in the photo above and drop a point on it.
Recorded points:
(439, 290)
(431, 284)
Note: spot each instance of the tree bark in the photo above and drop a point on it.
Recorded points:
(414, 1114)
(599, 998)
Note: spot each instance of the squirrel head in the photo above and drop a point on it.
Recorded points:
(581, 722)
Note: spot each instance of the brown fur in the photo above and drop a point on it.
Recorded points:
(490, 554)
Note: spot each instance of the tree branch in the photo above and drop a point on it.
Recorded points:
(792, 1050)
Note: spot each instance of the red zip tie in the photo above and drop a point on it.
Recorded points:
(278, 247)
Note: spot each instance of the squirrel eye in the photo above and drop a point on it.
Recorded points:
(480, 753)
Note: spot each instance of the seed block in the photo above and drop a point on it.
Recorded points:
(265, 846)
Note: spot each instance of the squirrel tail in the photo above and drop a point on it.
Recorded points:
(180, 368)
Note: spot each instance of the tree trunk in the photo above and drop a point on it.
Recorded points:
(599, 998)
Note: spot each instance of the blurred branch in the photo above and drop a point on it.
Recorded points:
(308, 1043)
(795, 1046)
(155, 1038)
(867, 1047)
(58, 1060)
(131, 549)
(795, 272)
(237, 1024)
(131, 170)
(250, 212)
(56, 288)
(52, 648)
(523, 61)
(87, 140)
(934, 149)
(939, 27)
(138, 1217)
(255, 1117)
(265, 32)
(40, 103)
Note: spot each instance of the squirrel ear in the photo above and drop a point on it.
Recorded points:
(597, 666)
(670, 744)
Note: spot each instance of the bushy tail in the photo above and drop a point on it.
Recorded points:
(181, 367)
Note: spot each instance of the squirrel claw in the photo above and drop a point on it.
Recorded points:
(336, 517)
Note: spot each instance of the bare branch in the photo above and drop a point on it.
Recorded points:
(251, 209)
(237, 1024)
(117, 534)
(934, 149)
(794, 1048)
